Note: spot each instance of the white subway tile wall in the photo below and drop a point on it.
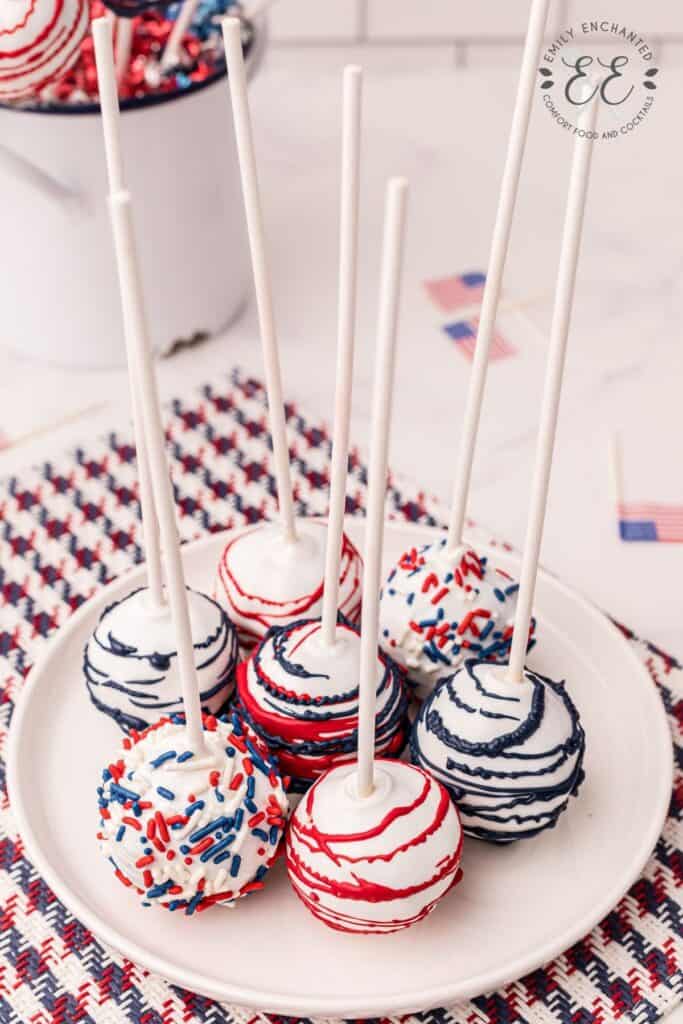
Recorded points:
(475, 31)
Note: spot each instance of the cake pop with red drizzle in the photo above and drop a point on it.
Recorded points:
(265, 579)
(272, 574)
(38, 41)
(439, 607)
(373, 847)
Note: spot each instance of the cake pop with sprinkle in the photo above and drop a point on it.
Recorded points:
(192, 810)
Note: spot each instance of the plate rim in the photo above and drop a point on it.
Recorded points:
(443, 994)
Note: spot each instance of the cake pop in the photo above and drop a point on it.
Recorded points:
(377, 864)
(508, 741)
(301, 697)
(439, 607)
(509, 753)
(38, 41)
(272, 574)
(185, 830)
(265, 581)
(373, 847)
(130, 661)
(191, 810)
(299, 690)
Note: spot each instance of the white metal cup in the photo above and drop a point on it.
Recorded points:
(59, 299)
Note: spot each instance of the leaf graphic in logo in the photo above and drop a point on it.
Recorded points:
(550, 84)
(650, 74)
(546, 72)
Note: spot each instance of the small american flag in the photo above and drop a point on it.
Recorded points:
(464, 334)
(459, 291)
(651, 522)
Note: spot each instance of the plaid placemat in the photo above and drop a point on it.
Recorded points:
(71, 525)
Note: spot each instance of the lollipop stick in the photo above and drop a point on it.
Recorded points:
(390, 288)
(494, 275)
(346, 322)
(112, 145)
(237, 80)
(616, 472)
(135, 318)
(171, 55)
(124, 44)
(559, 332)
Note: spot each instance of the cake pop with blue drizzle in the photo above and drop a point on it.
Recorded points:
(130, 663)
(192, 810)
(509, 753)
(300, 688)
(506, 740)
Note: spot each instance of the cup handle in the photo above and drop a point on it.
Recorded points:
(20, 168)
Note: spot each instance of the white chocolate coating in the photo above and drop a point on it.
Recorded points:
(439, 608)
(378, 864)
(510, 753)
(131, 667)
(186, 832)
(264, 581)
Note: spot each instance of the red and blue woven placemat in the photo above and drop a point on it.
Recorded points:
(69, 526)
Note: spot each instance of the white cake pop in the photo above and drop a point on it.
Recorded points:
(38, 42)
(374, 864)
(510, 753)
(301, 697)
(439, 607)
(187, 831)
(264, 580)
(130, 662)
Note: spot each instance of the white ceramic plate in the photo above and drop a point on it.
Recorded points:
(517, 907)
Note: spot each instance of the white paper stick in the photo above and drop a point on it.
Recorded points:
(124, 44)
(389, 295)
(496, 266)
(112, 143)
(346, 328)
(616, 472)
(237, 79)
(171, 55)
(135, 318)
(559, 332)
